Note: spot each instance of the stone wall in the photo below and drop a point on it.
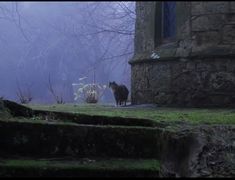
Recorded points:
(198, 68)
(145, 25)
(195, 83)
(213, 25)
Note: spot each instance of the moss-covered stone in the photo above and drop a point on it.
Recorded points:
(36, 139)
(16, 109)
(161, 116)
(184, 150)
(83, 118)
(79, 168)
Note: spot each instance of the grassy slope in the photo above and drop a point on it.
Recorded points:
(193, 115)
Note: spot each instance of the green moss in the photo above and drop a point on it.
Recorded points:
(34, 120)
(23, 163)
(112, 164)
(4, 113)
(191, 115)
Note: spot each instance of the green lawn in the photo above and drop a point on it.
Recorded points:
(193, 115)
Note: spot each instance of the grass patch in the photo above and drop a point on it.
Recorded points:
(111, 164)
(192, 115)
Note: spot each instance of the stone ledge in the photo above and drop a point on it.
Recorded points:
(207, 53)
(147, 60)
(165, 51)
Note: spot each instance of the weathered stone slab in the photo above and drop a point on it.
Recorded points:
(229, 34)
(207, 22)
(210, 7)
(198, 8)
(207, 37)
(232, 6)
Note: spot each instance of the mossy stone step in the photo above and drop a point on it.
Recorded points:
(56, 139)
(82, 167)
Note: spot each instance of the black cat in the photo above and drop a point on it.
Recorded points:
(120, 93)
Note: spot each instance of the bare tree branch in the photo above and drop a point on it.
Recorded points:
(8, 15)
(59, 99)
(25, 97)
(19, 22)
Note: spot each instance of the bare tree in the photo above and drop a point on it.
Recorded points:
(58, 98)
(92, 39)
(111, 26)
(25, 96)
(13, 15)
(117, 24)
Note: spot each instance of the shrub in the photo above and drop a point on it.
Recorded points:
(89, 93)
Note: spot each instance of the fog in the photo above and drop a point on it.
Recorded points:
(56, 43)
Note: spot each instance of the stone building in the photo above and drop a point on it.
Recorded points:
(195, 47)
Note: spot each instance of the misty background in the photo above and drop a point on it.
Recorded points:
(56, 43)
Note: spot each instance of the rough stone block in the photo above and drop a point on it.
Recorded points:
(229, 34)
(216, 6)
(232, 6)
(184, 48)
(207, 22)
(183, 31)
(231, 18)
(197, 8)
(200, 8)
(209, 37)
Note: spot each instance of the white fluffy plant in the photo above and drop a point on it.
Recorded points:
(89, 93)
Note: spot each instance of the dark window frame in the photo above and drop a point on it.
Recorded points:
(159, 25)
